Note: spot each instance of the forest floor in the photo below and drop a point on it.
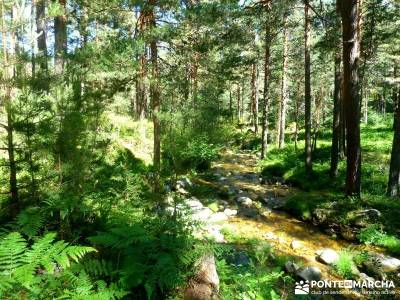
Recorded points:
(235, 176)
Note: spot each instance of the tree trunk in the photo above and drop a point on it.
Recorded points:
(238, 102)
(284, 90)
(296, 115)
(351, 94)
(366, 100)
(60, 37)
(155, 101)
(8, 66)
(254, 97)
(265, 108)
(230, 105)
(335, 155)
(394, 172)
(307, 89)
(41, 35)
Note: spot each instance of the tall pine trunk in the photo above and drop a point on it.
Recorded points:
(394, 172)
(60, 39)
(336, 129)
(41, 35)
(155, 100)
(238, 102)
(8, 66)
(265, 107)
(284, 89)
(307, 89)
(254, 97)
(351, 94)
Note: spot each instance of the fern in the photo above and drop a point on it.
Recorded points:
(97, 267)
(21, 264)
(30, 221)
(154, 254)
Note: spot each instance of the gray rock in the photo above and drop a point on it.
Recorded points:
(321, 215)
(327, 256)
(270, 236)
(291, 267)
(218, 217)
(230, 212)
(193, 203)
(309, 273)
(224, 203)
(362, 218)
(295, 244)
(245, 201)
(202, 215)
(184, 183)
(182, 191)
(365, 277)
(281, 240)
(274, 203)
(214, 233)
(380, 265)
(389, 264)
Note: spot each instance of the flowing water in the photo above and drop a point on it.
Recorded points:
(238, 172)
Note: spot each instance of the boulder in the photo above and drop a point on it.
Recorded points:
(218, 217)
(363, 218)
(327, 256)
(205, 283)
(182, 191)
(291, 267)
(274, 203)
(321, 215)
(202, 215)
(214, 233)
(295, 244)
(365, 277)
(270, 236)
(309, 273)
(389, 264)
(230, 212)
(380, 265)
(184, 183)
(193, 203)
(245, 201)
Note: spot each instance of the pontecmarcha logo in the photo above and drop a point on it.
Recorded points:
(302, 288)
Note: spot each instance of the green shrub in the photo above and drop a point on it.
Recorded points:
(155, 255)
(345, 265)
(375, 236)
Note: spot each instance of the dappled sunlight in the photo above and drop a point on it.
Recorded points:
(239, 171)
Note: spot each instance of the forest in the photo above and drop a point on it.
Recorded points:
(199, 149)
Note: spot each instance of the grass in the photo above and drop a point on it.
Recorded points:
(319, 190)
(345, 265)
(376, 236)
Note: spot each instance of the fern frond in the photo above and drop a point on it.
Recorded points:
(97, 267)
(30, 221)
(12, 248)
